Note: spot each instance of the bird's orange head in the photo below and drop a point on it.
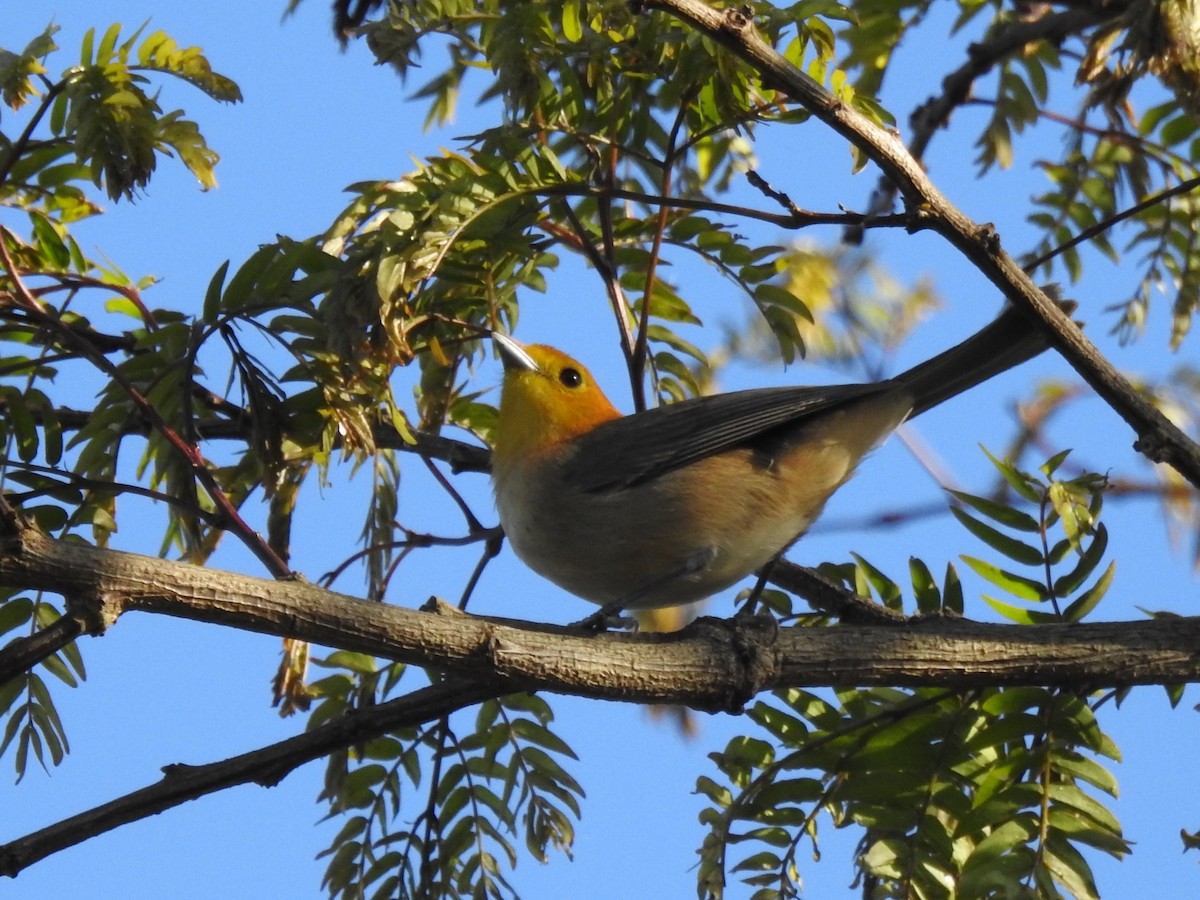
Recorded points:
(547, 398)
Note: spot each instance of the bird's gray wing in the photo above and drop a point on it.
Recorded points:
(635, 449)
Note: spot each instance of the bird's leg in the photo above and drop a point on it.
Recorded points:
(609, 615)
(749, 608)
(607, 618)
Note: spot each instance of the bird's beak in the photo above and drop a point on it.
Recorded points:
(513, 355)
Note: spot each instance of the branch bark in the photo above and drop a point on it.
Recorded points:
(711, 665)
(1157, 438)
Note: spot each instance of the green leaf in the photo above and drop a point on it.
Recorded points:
(159, 52)
(17, 71)
(56, 667)
(1051, 465)
(1087, 770)
(189, 145)
(998, 541)
(108, 43)
(1016, 585)
(766, 861)
(1000, 512)
(924, 587)
(952, 592)
(212, 296)
(888, 591)
(360, 663)
(528, 730)
(14, 613)
(717, 793)
(1069, 868)
(1078, 813)
(1088, 601)
(1018, 614)
(571, 23)
(998, 861)
(1023, 484)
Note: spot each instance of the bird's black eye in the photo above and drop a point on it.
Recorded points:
(570, 377)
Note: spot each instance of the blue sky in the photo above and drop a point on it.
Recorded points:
(162, 691)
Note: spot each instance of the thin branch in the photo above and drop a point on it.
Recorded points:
(1090, 232)
(461, 456)
(764, 187)
(23, 653)
(473, 524)
(795, 219)
(100, 486)
(412, 540)
(18, 146)
(491, 549)
(641, 345)
(1153, 150)
(982, 57)
(602, 263)
(265, 766)
(830, 598)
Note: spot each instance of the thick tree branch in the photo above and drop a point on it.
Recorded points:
(712, 665)
(1159, 439)
(266, 766)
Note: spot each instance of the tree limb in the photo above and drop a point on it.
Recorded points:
(1157, 438)
(711, 665)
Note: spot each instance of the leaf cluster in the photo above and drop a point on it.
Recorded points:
(970, 795)
(94, 124)
(984, 794)
(504, 780)
(33, 724)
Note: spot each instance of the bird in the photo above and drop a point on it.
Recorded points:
(673, 504)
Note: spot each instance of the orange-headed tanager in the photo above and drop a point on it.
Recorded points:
(673, 504)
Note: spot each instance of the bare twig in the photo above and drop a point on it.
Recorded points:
(795, 219)
(602, 263)
(18, 147)
(461, 456)
(637, 363)
(1185, 187)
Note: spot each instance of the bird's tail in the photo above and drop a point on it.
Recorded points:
(1008, 341)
